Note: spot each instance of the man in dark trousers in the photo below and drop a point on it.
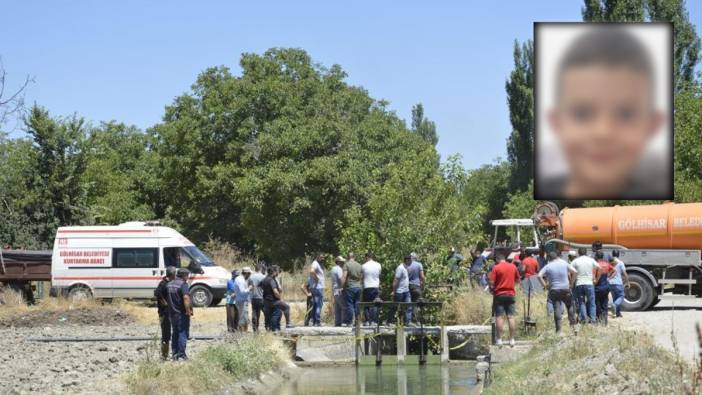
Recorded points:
(180, 310)
(161, 294)
(256, 295)
(274, 306)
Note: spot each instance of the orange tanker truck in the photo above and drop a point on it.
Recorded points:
(660, 244)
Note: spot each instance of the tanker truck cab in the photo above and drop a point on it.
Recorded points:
(129, 260)
(513, 235)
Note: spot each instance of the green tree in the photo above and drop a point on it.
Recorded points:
(416, 209)
(16, 163)
(118, 174)
(688, 149)
(686, 42)
(42, 189)
(613, 11)
(423, 126)
(272, 159)
(520, 99)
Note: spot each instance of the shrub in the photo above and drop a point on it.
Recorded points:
(213, 370)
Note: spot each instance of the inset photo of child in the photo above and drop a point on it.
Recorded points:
(603, 111)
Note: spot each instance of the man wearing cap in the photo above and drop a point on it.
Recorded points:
(232, 312)
(161, 294)
(337, 273)
(242, 291)
(180, 310)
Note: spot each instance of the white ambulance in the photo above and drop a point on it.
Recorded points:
(128, 261)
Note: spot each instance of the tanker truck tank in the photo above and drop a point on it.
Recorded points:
(659, 243)
(660, 226)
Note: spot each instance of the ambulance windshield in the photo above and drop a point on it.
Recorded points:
(199, 256)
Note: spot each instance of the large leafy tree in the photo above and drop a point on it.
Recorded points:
(42, 180)
(520, 99)
(272, 159)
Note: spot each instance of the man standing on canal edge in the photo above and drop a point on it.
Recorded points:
(502, 279)
(179, 309)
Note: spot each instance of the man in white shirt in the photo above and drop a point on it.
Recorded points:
(371, 288)
(588, 272)
(317, 277)
(337, 273)
(400, 291)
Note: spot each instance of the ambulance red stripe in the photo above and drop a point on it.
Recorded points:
(119, 278)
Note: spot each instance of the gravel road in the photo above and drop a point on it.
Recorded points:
(678, 316)
(85, 367)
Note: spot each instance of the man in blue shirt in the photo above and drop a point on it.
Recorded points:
(476, 269)
(560, 277)
(180, 310)
(232, 313)
(401, 291)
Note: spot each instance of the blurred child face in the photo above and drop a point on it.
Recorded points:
(603, 121)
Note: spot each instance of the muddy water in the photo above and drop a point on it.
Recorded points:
(456, 379)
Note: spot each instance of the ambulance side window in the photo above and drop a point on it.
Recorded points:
(135, 257)
(171, 256)
(176, 256)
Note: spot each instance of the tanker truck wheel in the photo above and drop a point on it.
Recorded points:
(640, 294)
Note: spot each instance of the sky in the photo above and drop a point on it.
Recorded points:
(126, 60)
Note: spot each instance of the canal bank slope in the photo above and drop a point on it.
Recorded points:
(599, 360)
(238, 364)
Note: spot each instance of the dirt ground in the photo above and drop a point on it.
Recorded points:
(84, 367)
(105, 316)
(671, 323)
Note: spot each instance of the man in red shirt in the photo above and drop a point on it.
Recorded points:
(530, 265)
(502, 279)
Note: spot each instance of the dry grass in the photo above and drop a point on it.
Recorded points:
(11, 304)
(599, 360)
(468, 307)
(146, 313)
(474, 307)
(214, 370)
(228, 255)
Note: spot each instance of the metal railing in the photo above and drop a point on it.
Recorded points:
(400, 309)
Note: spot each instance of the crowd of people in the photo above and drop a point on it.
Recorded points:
(351, 282)
(581, 286)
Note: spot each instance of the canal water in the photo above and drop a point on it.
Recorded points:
(448, 379)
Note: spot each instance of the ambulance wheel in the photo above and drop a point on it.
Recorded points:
(201, 296)
(79, 292)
